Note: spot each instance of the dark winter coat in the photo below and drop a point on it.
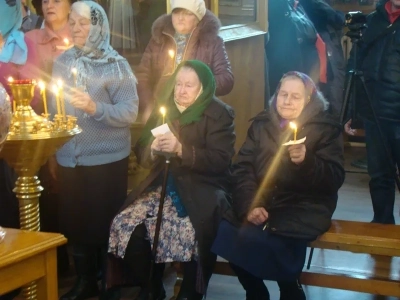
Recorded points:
(204, 44)
(379, 59)
(286, 51)
(329, 24)
(202, 175)
(300, 199)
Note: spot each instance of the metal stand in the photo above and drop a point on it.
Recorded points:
(168, 157)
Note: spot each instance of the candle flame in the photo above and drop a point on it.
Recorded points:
(171, 53)
(60, 83)
(42, 85)
(55, 89)
(10, 79)
(66, 42)
(74, 71)
(163, 111)
(293, 125)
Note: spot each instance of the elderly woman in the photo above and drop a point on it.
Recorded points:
(284, 195)
(55, 37)
(93, 165)
(189, 32)
(202, 137)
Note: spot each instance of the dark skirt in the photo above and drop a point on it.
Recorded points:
(90, 197)
(9, 206)
(261, 253)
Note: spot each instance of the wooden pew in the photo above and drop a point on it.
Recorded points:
(381, 241)
(30, 256)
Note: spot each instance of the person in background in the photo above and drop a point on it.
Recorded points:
(30, 20)
(379, 60)
(189, 32)
(284, 195)
(55, 37)
(329, 24)
(93, 166)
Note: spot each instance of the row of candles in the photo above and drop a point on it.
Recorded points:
(57, 90)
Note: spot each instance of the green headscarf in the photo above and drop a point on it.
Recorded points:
(166, 98)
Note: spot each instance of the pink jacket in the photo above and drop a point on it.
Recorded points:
(29, 70)
(49, 45)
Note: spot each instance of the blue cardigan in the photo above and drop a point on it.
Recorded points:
(105, 136)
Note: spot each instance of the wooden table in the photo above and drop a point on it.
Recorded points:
(27, 256)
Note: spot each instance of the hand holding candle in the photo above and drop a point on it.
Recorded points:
(83, 101)
(163, 112)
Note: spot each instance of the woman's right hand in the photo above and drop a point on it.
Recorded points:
(258, 216)
(155, 146)
(348, 129)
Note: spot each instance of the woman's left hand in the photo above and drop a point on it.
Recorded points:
(169, 143)
(297, 153)
(82, 100)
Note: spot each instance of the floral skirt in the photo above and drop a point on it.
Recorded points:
(177, 236)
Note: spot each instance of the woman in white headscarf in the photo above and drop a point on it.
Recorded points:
(93, 166)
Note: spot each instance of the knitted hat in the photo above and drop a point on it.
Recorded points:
(197, 7)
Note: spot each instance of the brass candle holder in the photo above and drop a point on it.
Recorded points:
(32, 139)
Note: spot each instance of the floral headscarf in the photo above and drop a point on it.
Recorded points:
(97, 49)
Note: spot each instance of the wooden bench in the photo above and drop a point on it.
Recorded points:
(30, 256)
(381, 241)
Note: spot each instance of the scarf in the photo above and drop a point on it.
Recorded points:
(190, 115)
(14, 49)
(97, 49)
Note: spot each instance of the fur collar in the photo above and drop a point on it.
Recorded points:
(207, 28)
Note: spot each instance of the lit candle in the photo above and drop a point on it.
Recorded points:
(56, 93)
(61, 98)
(74, 72)
(11, 80)
(294, 127)
(171, 53)
(66, 42)
(42, 87)
(163, 112)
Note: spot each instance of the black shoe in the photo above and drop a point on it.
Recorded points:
(84, 288)
(291, 290)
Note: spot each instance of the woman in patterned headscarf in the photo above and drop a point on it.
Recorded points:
(93, 166)
(284, 196)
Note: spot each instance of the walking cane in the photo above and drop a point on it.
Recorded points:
(168, 157)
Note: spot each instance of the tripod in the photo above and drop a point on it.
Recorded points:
(350, 94)
(167, 157)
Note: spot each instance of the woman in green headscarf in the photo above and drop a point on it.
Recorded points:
(202, 136)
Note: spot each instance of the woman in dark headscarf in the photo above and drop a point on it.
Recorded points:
(284, 195)
(94, 164)
(202, 136)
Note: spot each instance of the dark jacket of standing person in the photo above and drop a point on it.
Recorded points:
(204, 44)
